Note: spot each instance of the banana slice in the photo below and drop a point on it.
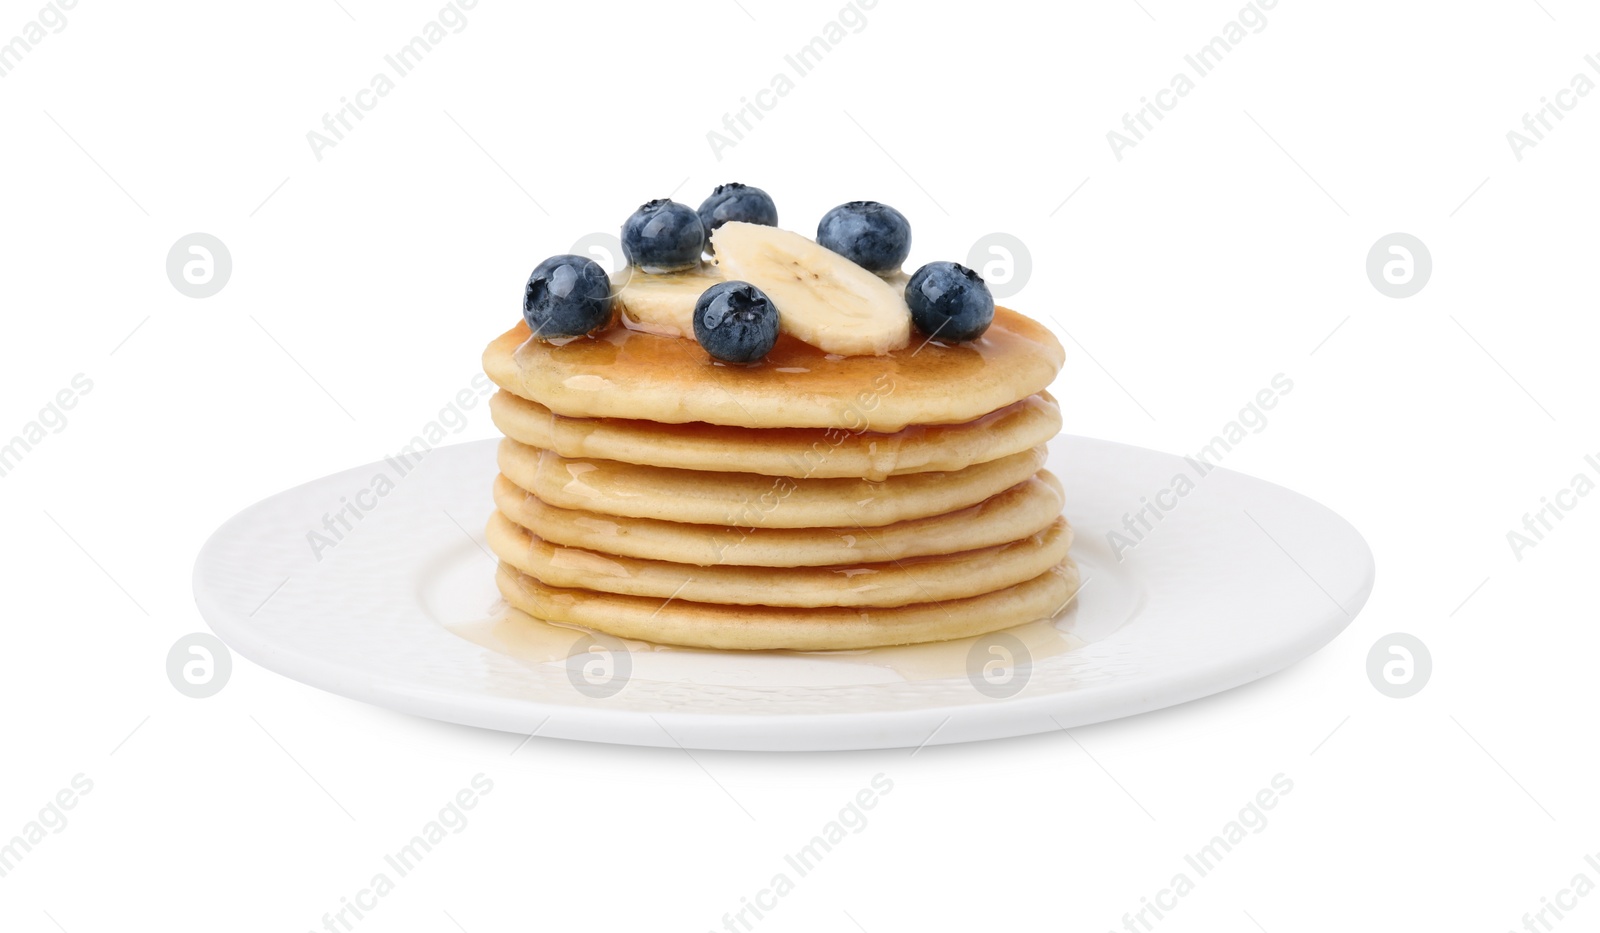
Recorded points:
(823, 298)
(662, 304)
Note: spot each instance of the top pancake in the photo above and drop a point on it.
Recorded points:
(622, 373)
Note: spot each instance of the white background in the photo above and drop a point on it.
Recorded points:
(1220, 251)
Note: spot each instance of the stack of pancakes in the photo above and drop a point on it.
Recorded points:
(808, 502)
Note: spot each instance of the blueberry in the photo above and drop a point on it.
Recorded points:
(567, 296)
(871, 235)
(736, 322)
(663, 236)
(949, 301)
(735, 201)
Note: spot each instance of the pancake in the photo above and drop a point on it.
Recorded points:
(1026, 508)
(749, 500)
(795, 452)
(895, 583)
(706, 625)
(622, 373)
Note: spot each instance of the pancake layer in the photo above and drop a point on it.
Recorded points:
(894, 583)
(1025, 509)
(750, 500)
(795, 452)
(709, 625)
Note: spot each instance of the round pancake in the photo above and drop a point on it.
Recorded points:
(1025, 509)
(749, 500)
(796, 452)
(706, 625)
(896, 583)
(623, 373)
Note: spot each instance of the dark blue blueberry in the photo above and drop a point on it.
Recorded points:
(736, 322)
(663, 236)
(566, 296)
(871, 235)
(735, 201)
(949, 301)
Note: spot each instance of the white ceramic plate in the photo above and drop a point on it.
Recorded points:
(375, 584)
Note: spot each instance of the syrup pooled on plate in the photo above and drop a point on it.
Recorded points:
(533, 642)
